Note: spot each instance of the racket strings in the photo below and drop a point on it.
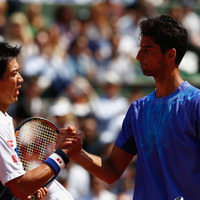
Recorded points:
(36, 141)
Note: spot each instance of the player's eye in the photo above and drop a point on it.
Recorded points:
(147, 50)
(14, 73)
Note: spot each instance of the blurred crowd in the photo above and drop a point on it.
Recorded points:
(75, 66)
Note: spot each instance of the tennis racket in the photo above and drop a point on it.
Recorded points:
(36, 142)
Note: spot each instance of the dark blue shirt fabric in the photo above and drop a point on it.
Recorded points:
(165, 135)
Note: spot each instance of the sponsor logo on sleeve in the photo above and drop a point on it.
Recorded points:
(10, 143)
(15, 158)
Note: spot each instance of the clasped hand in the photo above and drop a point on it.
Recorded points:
(69, 140)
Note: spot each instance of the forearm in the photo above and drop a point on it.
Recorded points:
(102, 168)
(34, 179)
(27, 184)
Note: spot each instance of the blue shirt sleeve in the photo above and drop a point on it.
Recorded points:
(126, 139)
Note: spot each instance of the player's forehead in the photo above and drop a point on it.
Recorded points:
(148, 42)
(12, 66)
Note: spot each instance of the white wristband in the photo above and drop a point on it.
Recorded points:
(58, 159)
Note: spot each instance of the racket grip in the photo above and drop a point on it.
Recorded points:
(34, 197)
(57, 160)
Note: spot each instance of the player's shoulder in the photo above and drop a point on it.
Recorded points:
(6, 125)
(5, 120)
(192, 93)
(144, 99)
(140, 104)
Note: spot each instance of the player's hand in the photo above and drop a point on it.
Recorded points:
(41, 193)
(69, 140)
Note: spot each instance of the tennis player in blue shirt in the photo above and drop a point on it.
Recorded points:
(162, 128)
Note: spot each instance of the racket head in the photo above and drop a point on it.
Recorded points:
(35, 138)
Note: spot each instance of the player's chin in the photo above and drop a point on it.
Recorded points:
(146, 73)
(14, 99)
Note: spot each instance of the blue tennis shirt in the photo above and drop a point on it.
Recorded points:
(164, 133)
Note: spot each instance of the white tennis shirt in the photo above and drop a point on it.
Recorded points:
(10, 165)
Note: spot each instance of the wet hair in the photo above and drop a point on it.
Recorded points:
(7, 53)
(168, 33)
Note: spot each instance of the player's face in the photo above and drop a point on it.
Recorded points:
(9, 85)
(151, 58)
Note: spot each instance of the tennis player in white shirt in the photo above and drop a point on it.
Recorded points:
(15, 183)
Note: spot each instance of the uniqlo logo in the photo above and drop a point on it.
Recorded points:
(10, 142)
(59, 161)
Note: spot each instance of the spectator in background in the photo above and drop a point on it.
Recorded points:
(60, 112)
(110, 107)
(191, 20)
(64, 16)
(121, 61)
(35, 17)
(192, 23)
(128, 22)
(18, 32)
(99, 31)
(78, 180)
(136, 93)
(73, 177)
(89, 126)
(48, 62)
(3, 16)
(99, 190)
(80, 58)
(81, 94)
(127, 182)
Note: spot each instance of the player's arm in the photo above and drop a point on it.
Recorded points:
(109, 169)
(28, 183)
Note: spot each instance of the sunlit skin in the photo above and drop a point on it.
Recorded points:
(41, 193)
(151, 58)
(161, 66)
(10, 84)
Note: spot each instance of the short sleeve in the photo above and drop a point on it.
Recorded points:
(126, 139)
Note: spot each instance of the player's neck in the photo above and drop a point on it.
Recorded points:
(4, 108)
(168, 85)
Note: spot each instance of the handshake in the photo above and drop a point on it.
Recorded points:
(69, 140)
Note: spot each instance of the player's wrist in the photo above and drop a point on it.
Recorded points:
(62, 155)
(57, 160)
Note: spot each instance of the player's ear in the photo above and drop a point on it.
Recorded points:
(171, 54)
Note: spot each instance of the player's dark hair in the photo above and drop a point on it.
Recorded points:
(168, 33)
(7, 53)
